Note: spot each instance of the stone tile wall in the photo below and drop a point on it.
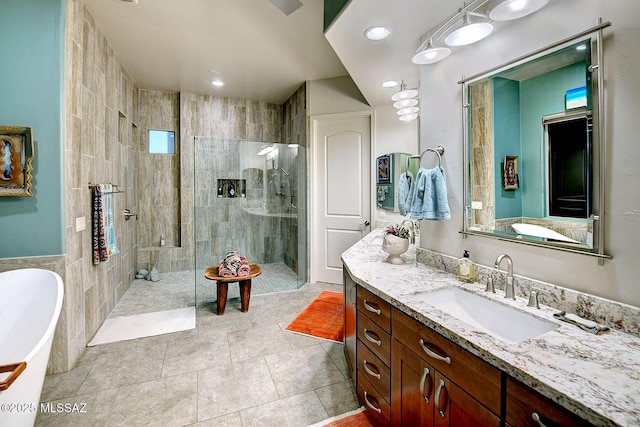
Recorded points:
(100, 146)
(481, 146)
(101, 140)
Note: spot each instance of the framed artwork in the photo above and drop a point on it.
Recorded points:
(384, 169)
(510, 173)
(16, 158)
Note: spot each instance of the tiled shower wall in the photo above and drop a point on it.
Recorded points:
(208, 117)
(103, 140)
(100, 146)
(159, 183)
(101, 103)
(481, 140)
(295, 131)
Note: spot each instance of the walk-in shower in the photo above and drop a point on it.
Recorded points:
(250, 197)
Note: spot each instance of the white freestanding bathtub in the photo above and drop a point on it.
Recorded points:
(30, 304)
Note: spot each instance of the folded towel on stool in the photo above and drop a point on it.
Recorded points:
(233, 264)
(223, 271)
(244, 269)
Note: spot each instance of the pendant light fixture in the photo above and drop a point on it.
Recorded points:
(469, 32)
(430, 54)
(483, 11)
(404, 93)
(406, 103)
(514, 9)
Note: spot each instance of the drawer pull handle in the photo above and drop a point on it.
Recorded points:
(433, 354)
(369, 371)
(537, 419)
(372, 339)
(366, 400)
(438, 391)
(425, 374)
(372, 308)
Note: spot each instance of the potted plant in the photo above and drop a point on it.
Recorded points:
(395, 242)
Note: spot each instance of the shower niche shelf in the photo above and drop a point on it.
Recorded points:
(232, 188)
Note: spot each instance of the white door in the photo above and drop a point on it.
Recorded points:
(341, 203)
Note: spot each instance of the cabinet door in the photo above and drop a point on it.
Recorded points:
(412, 390)
(454, 407)
(527, 407)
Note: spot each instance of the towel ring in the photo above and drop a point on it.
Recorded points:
(439, 150)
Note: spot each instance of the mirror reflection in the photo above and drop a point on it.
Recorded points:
(531, 146)
(389, 167)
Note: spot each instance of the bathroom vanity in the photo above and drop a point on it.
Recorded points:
(416, 363)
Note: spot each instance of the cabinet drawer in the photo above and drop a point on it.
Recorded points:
(374, 337)
(378, 374)
(378, 410)
(469, 372)
(375, 308)
(523, 402)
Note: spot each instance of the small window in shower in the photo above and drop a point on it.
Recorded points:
(162, 142)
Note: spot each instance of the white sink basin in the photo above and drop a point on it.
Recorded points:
(501, 321)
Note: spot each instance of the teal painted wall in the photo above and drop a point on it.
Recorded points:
(541, 96)
(506, 142)
(517, 122)
(31, 84)
(331, 9)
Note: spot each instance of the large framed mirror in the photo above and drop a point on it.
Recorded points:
(535, 148)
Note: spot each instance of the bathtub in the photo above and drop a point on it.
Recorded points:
(30, 304)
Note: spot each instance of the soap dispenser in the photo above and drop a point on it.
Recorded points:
(466, 269)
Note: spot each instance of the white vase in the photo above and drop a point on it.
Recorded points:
(395, 246)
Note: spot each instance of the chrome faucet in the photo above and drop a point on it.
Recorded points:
(509, 291)
(412, 226)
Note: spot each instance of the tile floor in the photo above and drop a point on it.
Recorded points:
(240, 369)
(176, 290)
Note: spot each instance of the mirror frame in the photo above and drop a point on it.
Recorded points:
(599, 143)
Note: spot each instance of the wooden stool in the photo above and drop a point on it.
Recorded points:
(222, 285)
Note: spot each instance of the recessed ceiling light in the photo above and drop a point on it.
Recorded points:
(389, 83)
(377, 32)
(217, 82)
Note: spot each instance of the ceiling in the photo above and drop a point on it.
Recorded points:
(371, 62)
(261, 53)
(182, 45)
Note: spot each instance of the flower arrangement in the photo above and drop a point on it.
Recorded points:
(398, 230)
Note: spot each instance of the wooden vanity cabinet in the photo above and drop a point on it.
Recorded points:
(526, 407)
(423, 396)
(373, 354)
(437, 383)
(409, 375)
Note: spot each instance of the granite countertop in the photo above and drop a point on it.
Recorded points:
(595, 376)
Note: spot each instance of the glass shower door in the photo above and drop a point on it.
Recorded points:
(247, 199)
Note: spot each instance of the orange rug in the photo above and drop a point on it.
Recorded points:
(323, 318)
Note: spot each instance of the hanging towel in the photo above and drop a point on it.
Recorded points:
(110, 231)
(104, 236)
(404, 186)
(100, 251)
(428, 196)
